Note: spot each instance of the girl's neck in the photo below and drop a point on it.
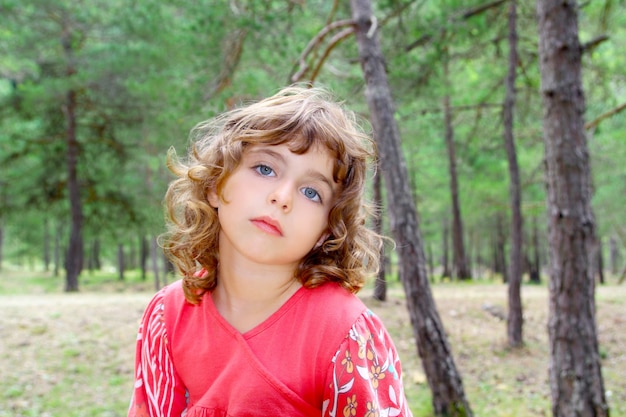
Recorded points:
(246, 295)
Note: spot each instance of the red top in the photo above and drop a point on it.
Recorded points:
(321, 354)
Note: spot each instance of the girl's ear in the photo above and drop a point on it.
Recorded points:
(213, 198)
(321, 240)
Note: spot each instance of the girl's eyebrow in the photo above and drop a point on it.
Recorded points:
(268, 152)
(316, 175)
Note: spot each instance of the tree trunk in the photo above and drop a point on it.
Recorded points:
(93, 262)
(74, 255)
(575, 371)
(120, 262)
(613, 255)
(95, 253)
(168, 267)
(154, 255)
(131, 262)
(46, 244)
(57, 249)
(515, 317)
(380, 286)
(144, 256)
(500, 250)
(535, 264)
(432, 344)
(431, 262)
(445, 259)
(600, 261)
(459, 260)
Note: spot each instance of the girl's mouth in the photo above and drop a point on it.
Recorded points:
(269, 225)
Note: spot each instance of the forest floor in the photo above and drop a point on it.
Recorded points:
(72, 354)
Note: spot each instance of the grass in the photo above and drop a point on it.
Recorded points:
(71, 355)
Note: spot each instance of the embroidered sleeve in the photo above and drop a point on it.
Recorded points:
(366, 374)
(158, 391)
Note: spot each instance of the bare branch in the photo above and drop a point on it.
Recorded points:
(331, 45)
(592, 44)
(333, 10)
(482, 8)
(314, 43)
(233, 49)
(594, 123)
(464, 16)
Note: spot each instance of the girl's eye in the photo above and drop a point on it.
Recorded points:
(264, 170)
(311, 194)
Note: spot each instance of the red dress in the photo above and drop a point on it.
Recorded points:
(323, 353)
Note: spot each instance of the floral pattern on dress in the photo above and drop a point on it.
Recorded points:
(366, 374)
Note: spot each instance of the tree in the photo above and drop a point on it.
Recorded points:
(460, 268)
(74, 256)
(515, 317)
(575, 372)
(380, 285)
(433, 347)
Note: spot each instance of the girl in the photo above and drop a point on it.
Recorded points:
(267, 227)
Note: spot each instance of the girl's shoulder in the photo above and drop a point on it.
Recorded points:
(336, 299)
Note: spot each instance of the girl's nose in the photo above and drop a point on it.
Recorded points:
(282, 197)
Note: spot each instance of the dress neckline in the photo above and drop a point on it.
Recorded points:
(262, 326)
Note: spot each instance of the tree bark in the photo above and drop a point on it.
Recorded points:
(431, 262)
(515, 319)
(575, 372)
(445, 259)
(154, 255)
(74, 255)
(459, 260)
(380, 286)
(143, 261)
(57, 249)
(432, 344)
(535, 264)
(500, 250)
(613, 255)
(600, 261)
(168, 267)
(46, 244)
(120, 262)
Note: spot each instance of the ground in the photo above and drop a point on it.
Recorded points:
(72, 354)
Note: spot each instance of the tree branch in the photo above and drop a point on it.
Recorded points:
(480, 9)
(233, 49)
(594, 123)
(464, 16)
(592, 44)
(331, 45)
(314, 43)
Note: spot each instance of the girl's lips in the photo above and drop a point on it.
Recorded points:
(268, 225)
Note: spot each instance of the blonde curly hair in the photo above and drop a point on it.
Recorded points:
(301, 118)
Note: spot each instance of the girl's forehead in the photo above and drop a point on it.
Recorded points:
(313, 148)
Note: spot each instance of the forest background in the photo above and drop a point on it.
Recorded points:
(136, 76)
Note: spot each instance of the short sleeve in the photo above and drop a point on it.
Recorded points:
(365, 375)
(158, 390)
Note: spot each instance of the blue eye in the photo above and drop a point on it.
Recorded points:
(311, 194)
(264, 170)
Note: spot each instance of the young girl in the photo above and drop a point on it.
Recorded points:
(267, 227)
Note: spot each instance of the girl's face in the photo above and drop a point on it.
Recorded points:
(274, 206)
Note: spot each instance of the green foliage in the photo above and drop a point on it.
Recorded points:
(147, 71)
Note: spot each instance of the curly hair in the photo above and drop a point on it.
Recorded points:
(301, 118)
